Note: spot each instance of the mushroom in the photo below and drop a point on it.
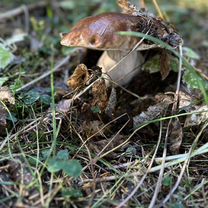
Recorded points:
(119, 61)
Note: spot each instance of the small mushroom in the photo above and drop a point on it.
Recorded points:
(118, 62)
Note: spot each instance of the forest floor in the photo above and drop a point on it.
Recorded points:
(59, 147)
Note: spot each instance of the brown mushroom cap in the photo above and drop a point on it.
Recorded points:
(100, 32)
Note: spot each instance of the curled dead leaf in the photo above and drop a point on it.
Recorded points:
(79, 77)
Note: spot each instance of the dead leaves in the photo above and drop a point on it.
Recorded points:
(96, 98)
(80, 77)
(100, 97)
(197, 118)
(127, 7)
(6, 97)
(176, 135)
(154, 111)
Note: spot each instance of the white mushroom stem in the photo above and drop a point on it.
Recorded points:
(120, 66)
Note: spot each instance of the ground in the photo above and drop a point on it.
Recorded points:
(71, 143)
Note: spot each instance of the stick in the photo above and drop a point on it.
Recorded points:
(56, 68)
(20, 10)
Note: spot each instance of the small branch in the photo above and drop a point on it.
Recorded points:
(56, 68)
(19, 10)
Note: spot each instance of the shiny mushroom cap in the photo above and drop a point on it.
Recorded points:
(100, 32)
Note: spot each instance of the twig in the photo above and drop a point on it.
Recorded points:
(158, 9)
(19, 10)
(25, 129)
(123, 203)
(186, 163)
(159, 181)
(56, 68)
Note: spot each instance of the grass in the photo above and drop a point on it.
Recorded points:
(120, 164)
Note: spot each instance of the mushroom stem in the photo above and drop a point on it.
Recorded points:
(120, 66)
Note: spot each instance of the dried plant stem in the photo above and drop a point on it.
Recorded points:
(56, 68)
(158, 9)
(123, 203)
(185, 165)
(142, 4)
(19, 10)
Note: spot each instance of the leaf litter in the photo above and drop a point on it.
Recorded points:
(110, 130)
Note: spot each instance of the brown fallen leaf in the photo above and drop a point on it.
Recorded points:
(175, 136)
(184, 100)
(111, 102)
(106, 145)
(64, 106)
(164, 64)
(100, 97)
(154, 111)
(79, 78)
(90, 128)
(127, 7)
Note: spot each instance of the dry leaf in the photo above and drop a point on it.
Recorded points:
(64, 106)
(92, 128)
(153, 112)
(79, 77)
(197, 118)
(127, 7)
(100, 97)
(3, 116)
(111, 102)
(176, 135)
(6, 95)
(107, 144)
(164, 64)
(184, 100)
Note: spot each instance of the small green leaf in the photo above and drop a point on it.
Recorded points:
(95, 109)
(54, 165)
(17, 84)
(45, 153)
(72, 168)
(5, 57)
(190, 53)
(46, 99)
(72, 193)
(177, 205)
(168, 181)
(3, 80)
(195, 81)
(63, 155)
(12, 117)
(67, 5)
(31, 97)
